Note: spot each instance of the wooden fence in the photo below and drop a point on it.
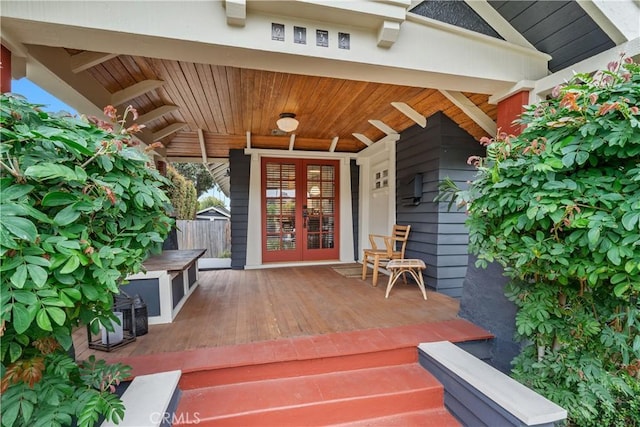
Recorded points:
(214, 236)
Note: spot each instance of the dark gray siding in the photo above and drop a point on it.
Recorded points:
(355, 204)
(239, 169)
(560, 28)
(438, 237)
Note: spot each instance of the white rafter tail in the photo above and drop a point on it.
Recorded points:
(134, 91)
(236, 11)
(383, 127)
(84, 60)
(471, 110)
(156, 113)
(166, 131)
(388, 33)
(334, 143)
(203, 147)
(366, 141)
(292, 140)
(411, 113)
(248, 140)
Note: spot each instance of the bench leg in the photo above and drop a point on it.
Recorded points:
(420, 279)
(395, 274)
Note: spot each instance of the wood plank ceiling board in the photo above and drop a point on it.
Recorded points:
(227, 102)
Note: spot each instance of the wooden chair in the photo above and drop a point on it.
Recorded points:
(390, 251)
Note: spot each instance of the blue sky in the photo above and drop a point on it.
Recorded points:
(37, 95)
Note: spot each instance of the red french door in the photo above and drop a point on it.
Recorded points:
(299, 210)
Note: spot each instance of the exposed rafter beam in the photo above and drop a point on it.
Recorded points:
(203, 147)
(366, 141)
(383, 127)
(498, 23)
(604, 16)
(334, 143)
(84, 60)
(134, 91)
(236, 12)
(166, 131)
(471, 110)
(157, 113)
(411, 113)
(292, 141)
(49, 68)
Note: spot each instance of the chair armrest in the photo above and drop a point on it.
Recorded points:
(372, 238)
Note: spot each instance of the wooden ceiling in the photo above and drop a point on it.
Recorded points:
(225, 103)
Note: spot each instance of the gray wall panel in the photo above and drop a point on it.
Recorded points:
(438, 236)
(239, 167)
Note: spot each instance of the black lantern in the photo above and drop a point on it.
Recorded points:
(141, 316)
(122, 333)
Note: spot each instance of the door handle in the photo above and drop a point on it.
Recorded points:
(305, 216)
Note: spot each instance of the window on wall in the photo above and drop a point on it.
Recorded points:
(381, 179)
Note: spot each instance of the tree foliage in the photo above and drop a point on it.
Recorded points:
(183, 195)
(559, 208)
(196, 173)
(81, 208)
(209, 202)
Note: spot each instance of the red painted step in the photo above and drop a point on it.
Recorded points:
(321, 399)
(264, 370)
(425, 418)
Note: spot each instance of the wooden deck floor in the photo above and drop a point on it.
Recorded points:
(243, 306)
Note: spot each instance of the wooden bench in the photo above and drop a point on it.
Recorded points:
(399, 267)
(170, 278)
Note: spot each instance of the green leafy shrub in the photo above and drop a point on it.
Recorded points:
(559, 208)
(183, 195)
(81, 208)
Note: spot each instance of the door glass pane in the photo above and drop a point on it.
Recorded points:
(321, 202)
(280, 205)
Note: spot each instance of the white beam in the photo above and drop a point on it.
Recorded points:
(236, 12)
(471, 110)
(175, 127)
(157, 113)
(619, 19)
(248, 140)
(383, 127)
(191, 40)
(498, 23)
(334, 143)
(518, 87)
(50, 69)
(589, 65)
(366, 141)
(411, 113)
(292, 140)
(84, 60)
(134, 91)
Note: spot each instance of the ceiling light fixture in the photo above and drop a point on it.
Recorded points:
(287, 122)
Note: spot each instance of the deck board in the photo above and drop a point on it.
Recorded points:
(232, 307)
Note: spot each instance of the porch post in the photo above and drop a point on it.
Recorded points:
(161, 165)
(5, 70)
(510, 109)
